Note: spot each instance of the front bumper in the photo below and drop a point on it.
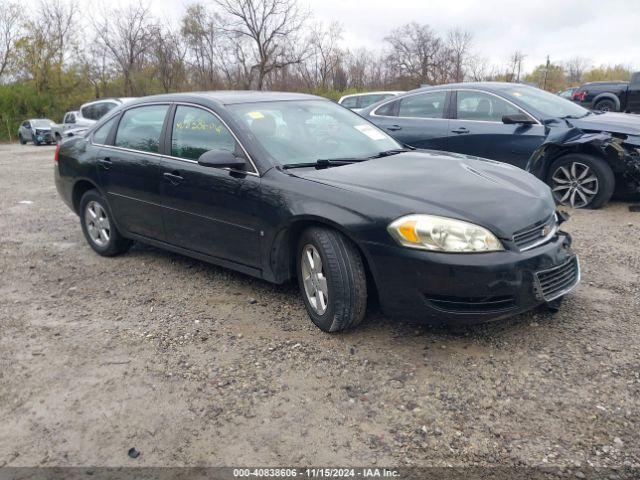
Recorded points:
(441, 288)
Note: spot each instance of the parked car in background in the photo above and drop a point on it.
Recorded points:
(358, 101)
(286, 186)
(560, 142)
(610, 96)
(36, 130)
(91, 112)
(567, 93)
(69, 121)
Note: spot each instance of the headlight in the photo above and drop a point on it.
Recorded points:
(441, 234)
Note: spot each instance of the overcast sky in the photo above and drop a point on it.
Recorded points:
(605, 31)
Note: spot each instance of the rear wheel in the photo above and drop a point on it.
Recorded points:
(581, 181)
(332, 280)
(606, 105)
(22, 140)
(98, 226)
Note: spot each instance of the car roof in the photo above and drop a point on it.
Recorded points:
(489, 86)
(231, 97)
(35, 119)
(377, 92)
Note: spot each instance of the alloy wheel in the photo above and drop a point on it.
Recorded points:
(575, 185)
(97, 222)
(314, 280)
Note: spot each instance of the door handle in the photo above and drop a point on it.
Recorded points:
(394, 128)
(460, 130)
(174, 178)
(105, 163)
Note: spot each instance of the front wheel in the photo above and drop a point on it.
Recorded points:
(581, 181)
(332, 279)
(98, 226)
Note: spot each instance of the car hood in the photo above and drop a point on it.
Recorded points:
(625, 123)
(500, 197)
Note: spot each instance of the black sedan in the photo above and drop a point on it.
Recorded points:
(290, 186)
(583, 156)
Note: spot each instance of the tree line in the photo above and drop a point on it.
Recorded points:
(58, 57)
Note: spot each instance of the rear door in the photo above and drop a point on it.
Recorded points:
(208, 210)
(418, 120)
(128, 166)
(477, 129)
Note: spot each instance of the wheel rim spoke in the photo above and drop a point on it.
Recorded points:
(313, 279)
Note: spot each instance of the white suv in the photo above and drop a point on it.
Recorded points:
(77, 122)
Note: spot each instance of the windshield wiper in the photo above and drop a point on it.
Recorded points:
(324, 163)
(575, 117)
(388, 153)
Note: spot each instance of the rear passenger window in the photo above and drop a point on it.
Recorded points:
(426, 105)
(196, 131)
(101, 134)
(140, 128)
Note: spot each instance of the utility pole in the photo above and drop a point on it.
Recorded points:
(546, 73)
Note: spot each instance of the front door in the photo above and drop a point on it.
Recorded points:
(416, 120)
(477, 129)
(129, 169)
(208, 210)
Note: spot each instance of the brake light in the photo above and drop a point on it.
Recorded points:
(56, 156)
(579, 96)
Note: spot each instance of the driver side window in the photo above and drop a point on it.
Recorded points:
(196, 131)
(483, 107)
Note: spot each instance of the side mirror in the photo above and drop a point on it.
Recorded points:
(221, 159)
(517, 118)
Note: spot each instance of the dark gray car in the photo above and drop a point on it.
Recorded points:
(583, 156)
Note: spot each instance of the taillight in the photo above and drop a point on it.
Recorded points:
(56, 156)
(579, 96)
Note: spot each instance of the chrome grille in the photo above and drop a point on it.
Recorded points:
(536, 234)
(556, 281)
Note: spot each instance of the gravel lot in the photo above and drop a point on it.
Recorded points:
(196, 365)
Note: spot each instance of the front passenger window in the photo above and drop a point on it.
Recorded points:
(196, 131)
(140, 128)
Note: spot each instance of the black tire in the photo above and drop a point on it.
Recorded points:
(606, 105)
(605, 185)
(35, 141)
(343, 269)
(22, 140)
(58, 137)
(116, 243)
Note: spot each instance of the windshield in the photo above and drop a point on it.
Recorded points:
(309, 130)
(548, 104)
(42, 123)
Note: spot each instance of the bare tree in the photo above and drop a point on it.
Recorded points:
(575, 68)
(324, 54)
(169, 55)
(459, 45)
(206, 46)
(414, 52)
(10, 27)
(270, 29)
(514, 68)
(128, 36)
